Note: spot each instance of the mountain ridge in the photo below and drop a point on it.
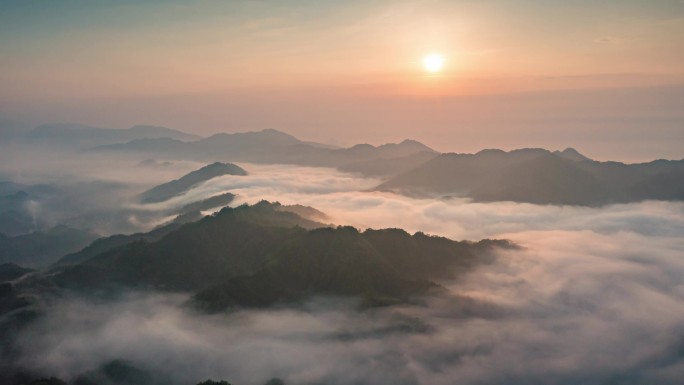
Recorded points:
(540, 176)
(261, 255)
(273, 146)
(84, 137)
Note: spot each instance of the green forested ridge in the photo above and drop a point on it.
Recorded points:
(260, 255)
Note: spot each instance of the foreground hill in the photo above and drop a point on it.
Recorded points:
(272, 146)
(260, 255)
(542, 177)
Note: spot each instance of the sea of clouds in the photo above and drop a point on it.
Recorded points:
(593, 296)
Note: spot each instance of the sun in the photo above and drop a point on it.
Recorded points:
(433, 62)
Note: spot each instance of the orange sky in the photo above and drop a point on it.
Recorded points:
(57, 58)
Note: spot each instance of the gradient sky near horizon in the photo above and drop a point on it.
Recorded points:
(605, 77)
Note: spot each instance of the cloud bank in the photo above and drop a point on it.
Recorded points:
(595, 296)
(574, 307)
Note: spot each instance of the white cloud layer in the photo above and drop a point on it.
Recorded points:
(595, 296)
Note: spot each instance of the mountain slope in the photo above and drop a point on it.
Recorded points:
(233, 241)
(271, 146)
(260, 255)
(379, 167)
(179, 186)
(541, 177)
(207, 204)
(345, 262)
(102, 245)
(44, 247)
(12, 271)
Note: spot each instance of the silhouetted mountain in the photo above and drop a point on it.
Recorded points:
(244, 146)
(12, 271)
(571, 154)
(84, 204)
(305, 212)
(81, 136)
(271, 146)
(105, 244)
(15, 216)
(179, 186)
(380, 266)
(212, 382)
(207, 204)
(7, 187)
(388, 166)
(120, 372)
(17, 207)
(259, 255)
(42, 381)
(43, 247)
(231, 241)
(542, 177)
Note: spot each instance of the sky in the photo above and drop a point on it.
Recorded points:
(605, 77)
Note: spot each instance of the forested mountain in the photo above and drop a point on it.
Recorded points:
(82, 137)
(259, 255)
(43, 247)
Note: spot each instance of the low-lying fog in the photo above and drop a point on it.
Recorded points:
(595, 296)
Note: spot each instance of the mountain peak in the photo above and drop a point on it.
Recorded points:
(273, 131)
(154, 132)
(571, 154)
(491, 151)
(266, 136)
(362, 146)
(415, 144)
(406, 147)
(409, 142)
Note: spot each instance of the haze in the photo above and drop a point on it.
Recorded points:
(603, 77)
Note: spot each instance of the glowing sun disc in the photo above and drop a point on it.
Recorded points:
(433, 62)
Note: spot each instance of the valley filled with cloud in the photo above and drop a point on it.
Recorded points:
(593, 295)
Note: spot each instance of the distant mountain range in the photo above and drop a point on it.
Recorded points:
(179, 186)
(272, 146)
(83, 137)
(542, 177)
(44, 247)
(16, 204)
(527, 175)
